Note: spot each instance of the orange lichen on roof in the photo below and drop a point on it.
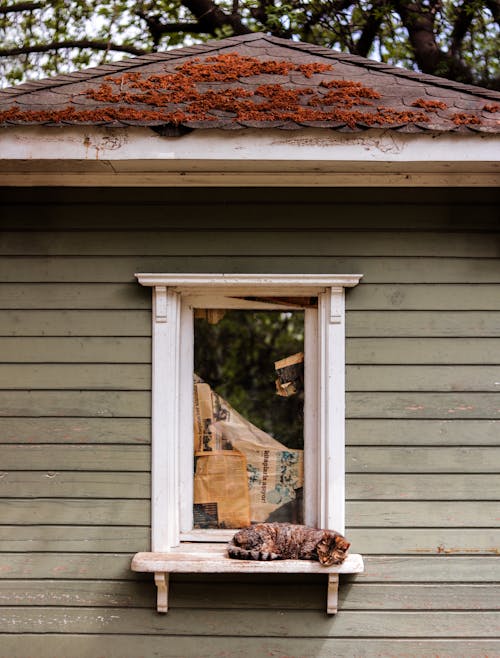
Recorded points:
(491, 107)
(207, 90)
(465, 119)
(431, 106)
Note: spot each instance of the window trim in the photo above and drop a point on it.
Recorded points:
(172, 404)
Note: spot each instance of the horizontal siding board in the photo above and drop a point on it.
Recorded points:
(360, 486)
(359, 459)
(379, 432)
(76, 376)
(423, 514)
(366, 351)
(378, 569)
(359, 324)
(424, 541)
(422, 405)
(76, 457)
(74, 484)
(373, 541)
(423, 351)
(75, 430)
(75, 538)
(124, 404)
(112, 376)
(273, 623)
(360, 514)
(437, 486)
(67, 511)
(422, 378)
(34, 349)
(137, 404)
(79, 566)
(422, 459)
(248, 595)
(75, 323)
(133, 646)
(406, 324)
(127, 296)
(247, 243)
(120, 269)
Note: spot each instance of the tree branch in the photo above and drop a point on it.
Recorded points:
(60, 45)
(211, 18)
(20, 6)
(463, 21)
(371, 27)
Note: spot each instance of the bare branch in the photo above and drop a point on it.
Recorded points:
(210, 17)
(60, 45)
(371, 28)
(20, 6)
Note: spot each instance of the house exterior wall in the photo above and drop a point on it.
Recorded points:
(423, 357)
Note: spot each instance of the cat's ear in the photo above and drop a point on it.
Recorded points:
(342, 543)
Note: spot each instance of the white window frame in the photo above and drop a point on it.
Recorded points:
(174, 297)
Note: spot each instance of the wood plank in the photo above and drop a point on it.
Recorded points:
(137, 404)
(421, 378)
(126, 296)
(75, 323)
(61, 511)
(134, 646)
(372, 486)
(422, 405)
(379, 432)
(406, 324)
(359, 459)
(120, 269)
(76, 376)
(375, 541)
(74, 538)
(113, 376)
(249, 595)
(273, 623)
(414, 297)
(75, 430)
(360, 514)
(378, 569)
(247, 243)
(124, 404)
(359, 323)
(422, 459)
(424, 541)
(79, 566)
(34, 349)
(420, 351)
(71, 593)
(76, 458)
(75, 484)
(442, 568)
(423, 514)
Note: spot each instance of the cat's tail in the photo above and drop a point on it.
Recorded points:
(239, 553)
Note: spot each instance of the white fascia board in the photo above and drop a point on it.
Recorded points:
(135, 157)
(255, 145)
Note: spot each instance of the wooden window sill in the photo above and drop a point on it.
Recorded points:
(198, 557)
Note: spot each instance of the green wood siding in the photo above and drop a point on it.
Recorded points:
(423, 421)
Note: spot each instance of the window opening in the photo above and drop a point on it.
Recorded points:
(248, 417)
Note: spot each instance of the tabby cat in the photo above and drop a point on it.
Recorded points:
(285, 541)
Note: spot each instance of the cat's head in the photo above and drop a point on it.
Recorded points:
(332, 549)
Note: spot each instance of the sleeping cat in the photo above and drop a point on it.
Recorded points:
(285, 541)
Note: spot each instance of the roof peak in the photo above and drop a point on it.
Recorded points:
(209, 47)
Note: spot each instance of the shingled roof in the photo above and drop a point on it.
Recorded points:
(252, 81)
